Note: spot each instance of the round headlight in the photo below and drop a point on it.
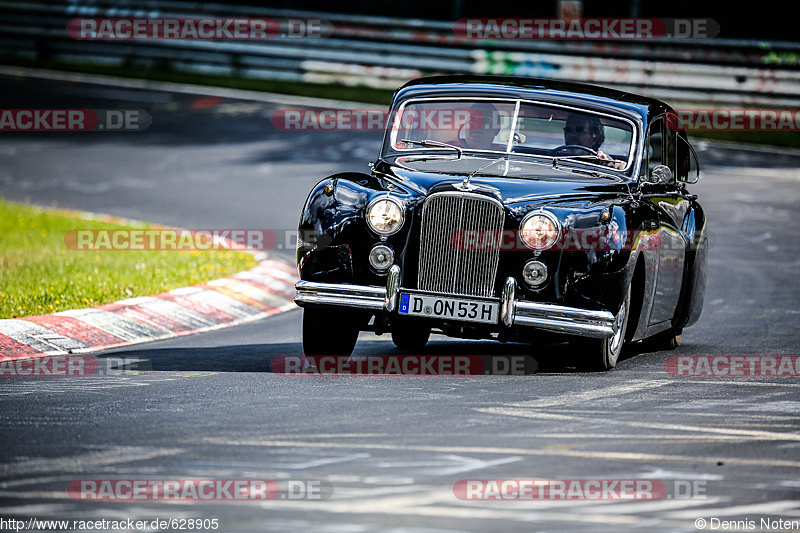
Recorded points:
(539, 230)
(381, 257)
(534, 273)
(385, 216)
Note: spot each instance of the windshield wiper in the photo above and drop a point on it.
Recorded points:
(580, 157)
(428, 143)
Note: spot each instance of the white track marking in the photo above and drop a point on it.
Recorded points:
(610, 456)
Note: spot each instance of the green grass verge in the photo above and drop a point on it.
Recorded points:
(39, 274)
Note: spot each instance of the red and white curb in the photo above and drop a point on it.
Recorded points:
(264, 290)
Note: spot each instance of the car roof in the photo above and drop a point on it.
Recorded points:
(533, 88)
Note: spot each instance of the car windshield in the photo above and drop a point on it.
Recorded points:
(503, 128)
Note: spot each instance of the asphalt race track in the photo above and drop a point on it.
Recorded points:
(391, 449)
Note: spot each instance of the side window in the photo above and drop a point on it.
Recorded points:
(653, 147)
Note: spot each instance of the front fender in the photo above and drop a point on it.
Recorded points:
(599, 277)
(333, 235)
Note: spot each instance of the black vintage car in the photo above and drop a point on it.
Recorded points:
(509, 209)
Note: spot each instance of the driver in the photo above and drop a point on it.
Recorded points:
(587, 130)
(480, 129)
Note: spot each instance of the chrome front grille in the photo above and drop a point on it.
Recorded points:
(450, 269)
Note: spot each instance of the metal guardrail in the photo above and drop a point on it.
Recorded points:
(386, 52)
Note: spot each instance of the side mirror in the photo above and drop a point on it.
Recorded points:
(660, 175)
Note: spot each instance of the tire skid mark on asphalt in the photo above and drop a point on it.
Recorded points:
(610, 456)
(627, 436)
(600, 507)
(765, 509)
(746, 382)
(742, 433)
(72, 387)
(614, 390)
(7, 484)
(86, 462)
(429, 504)
(90, 384)
(687, 413)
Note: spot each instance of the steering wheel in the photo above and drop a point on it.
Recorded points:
(563, 147)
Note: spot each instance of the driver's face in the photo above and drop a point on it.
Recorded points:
(480, 138)
(577, 132)
(480, 132)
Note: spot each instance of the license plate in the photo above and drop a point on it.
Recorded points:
(449, 308)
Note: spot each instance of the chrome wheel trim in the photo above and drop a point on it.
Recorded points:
(615, 342)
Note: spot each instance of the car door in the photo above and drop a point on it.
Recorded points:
(669, 208)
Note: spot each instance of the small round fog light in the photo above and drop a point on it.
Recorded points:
(534, 273)
(381, 257)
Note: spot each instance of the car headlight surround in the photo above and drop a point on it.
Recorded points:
(540, 230)
(385, 215)
(534, 273)
(381, 257)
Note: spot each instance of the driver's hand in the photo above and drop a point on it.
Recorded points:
(611, 162)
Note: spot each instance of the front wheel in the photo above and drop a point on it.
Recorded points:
(329, 332)
(602, 354)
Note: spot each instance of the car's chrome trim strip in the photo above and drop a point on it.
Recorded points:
(392, 288)
(340, 295)
(550, 317)
(562, 319)
(507, 305)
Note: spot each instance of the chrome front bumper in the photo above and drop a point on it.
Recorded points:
(550, 317)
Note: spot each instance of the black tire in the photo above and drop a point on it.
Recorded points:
(603, 354)
(410, 335)
(329, 332)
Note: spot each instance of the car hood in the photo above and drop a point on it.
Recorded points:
(547, 185)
